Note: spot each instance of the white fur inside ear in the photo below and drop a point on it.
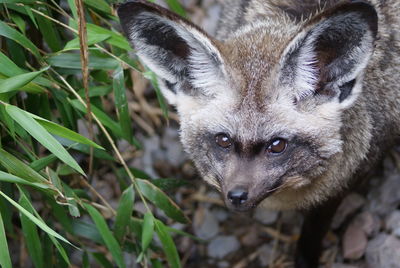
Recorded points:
(203, 65)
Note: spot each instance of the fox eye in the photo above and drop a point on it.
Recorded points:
(223, 140)
(277, 146)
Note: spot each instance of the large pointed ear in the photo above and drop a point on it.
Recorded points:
(184, 58)
(328, 58)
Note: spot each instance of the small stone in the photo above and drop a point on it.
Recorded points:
(251, 238)
(396, 232)
(205, 224)
(354, 242)
(220, 214)
(265, 216)
(366, 221)
(393, 221)
(265, 255)
(221, 246)
(349, 205)
(383, 251)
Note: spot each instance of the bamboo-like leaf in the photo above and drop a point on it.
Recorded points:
(92, 39)
(40, 134)
(161, 200)
(13, 34)
(29, 207)
(64, 132)
(19, 168)
(72, 61)
(38, 222)
(7, 177)
(5, 260)
(147, 230)
(100, 5)
(122, 104)
(167, 244)
(175, 6)
(18, 81)
(103, 117)
(30, 231)
(124, 213)
(153, 79)
(106, 234)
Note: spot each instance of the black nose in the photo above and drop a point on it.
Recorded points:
(237, 196)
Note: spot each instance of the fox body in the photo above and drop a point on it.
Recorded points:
(291, 104)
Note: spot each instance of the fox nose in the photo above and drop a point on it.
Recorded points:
(237, 196)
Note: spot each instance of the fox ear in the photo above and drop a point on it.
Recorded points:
(329, 57)
(184, 58)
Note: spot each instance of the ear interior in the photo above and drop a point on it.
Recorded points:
(329, 58)
(183, 56)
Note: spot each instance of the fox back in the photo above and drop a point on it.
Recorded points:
(289, 103)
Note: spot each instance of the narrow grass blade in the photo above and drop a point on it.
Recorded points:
(167, 244)
(124, 213)
(161, 200)
(40, 134)
(106, 234)
(38, 222)
(5, 260)
(16, 82)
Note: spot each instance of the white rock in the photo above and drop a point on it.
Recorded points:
(221, 246)
(383, 252)
(265, 216)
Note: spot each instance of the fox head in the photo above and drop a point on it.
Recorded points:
(261, 112)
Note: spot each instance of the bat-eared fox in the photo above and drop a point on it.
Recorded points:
(291, 104)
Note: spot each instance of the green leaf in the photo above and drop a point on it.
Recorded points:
(13, 34)
(38, 222)
(92, 39)
(148, 230)
(6, 177)
(64, 132)
(122, 104)
(124, 213)
(100, 5)
(167, 184)
(167, 244)
(153, 79)
(19, 168)
(5, 260)
(40, 134)
(161, 200)
(175, 6)
(18, 81)
(30, 231)
(43, 162)
(72, 61)
(109, 239)
(29, 207)
(48, 29)
(102, 116)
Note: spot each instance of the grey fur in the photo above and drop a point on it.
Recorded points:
(255, 95)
